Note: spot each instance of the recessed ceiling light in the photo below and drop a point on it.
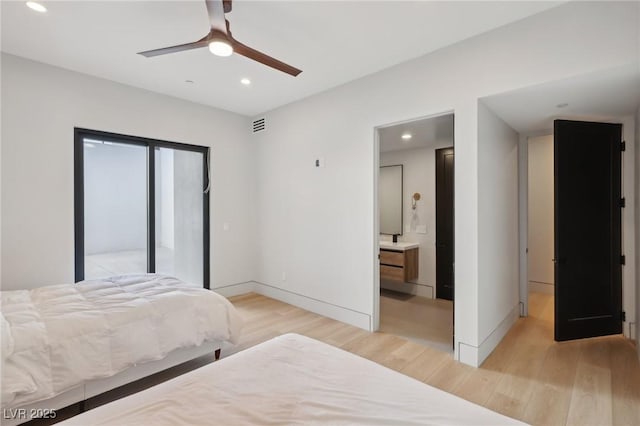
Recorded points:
(563, 105)
(36, 6)
(406, 136)
(245, 81)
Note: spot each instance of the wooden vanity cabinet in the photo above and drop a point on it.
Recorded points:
(399, 265)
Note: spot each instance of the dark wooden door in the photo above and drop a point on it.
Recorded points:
(588, 270)
(444, 224)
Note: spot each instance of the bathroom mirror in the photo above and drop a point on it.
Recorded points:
(390, 199)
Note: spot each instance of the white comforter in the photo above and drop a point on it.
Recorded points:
(291, 380)
(57, 337)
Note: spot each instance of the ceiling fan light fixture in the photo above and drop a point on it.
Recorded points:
(221, 42)
(220, 48)
(36, 6)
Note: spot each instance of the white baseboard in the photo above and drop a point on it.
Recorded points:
(539, 287)
(416, 289)
(329, 310)
(467, 354)
(489, 344)
(475, 355)
(235, 289)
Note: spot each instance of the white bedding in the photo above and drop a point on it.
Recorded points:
(291, 380)
(64, 335)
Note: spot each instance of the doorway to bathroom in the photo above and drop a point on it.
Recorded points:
(415, 205)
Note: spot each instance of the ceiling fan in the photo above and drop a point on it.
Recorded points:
(222, 43)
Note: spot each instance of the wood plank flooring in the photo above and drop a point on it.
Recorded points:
(419, 319)
(528, 377)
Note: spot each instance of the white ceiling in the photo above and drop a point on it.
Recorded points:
(332, 42)
(424, 133)
(605, 95)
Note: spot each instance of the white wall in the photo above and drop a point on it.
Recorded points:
(317, 224)
(540, 205)
(42, 105)
(419, 176)
(498, 260)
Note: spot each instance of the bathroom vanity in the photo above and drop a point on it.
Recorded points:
(398, 261)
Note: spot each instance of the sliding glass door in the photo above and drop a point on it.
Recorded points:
(115, 208)
(179, 207)
(141, 205)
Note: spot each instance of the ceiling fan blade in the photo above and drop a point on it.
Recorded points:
(250, 53)
(174, 49)
(227, 5)
(215, 9)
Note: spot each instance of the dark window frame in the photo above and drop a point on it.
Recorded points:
(151, 144)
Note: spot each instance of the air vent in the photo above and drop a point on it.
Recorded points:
(259, 125)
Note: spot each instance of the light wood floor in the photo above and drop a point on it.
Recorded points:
(528, 377)
(419, 319)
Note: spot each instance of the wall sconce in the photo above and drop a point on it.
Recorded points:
(415, 198)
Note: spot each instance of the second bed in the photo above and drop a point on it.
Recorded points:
(292, 379)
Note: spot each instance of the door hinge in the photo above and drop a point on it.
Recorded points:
(623, 316)
(623, 202)
(623, 146)
(623, 259)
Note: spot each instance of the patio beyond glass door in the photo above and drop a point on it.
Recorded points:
(115, 208)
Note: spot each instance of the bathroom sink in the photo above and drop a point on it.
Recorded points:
(400, 246)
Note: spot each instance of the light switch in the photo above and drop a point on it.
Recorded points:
(225, 226)
(319, 162)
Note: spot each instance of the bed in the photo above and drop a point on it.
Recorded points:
(291, 379)
(62, 344)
